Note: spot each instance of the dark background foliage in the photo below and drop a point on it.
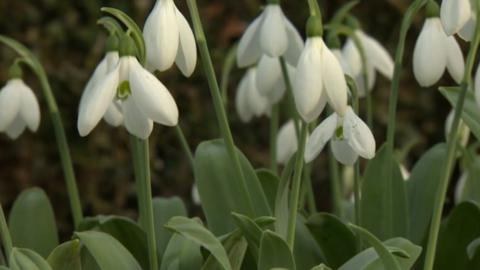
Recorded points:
(64, 35)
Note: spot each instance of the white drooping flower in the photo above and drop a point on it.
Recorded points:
(287, 142)
(434, 52)
(272, 34)
(350, 137)
(169, 39)
(19, 108)
(143, 99)
(271, 83)
(463, 130)
(319, 79)
(377, 58)
(248, 101)
(454, 15)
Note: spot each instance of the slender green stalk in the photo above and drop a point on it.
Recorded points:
(451, 151)
(5, 235)
(314, 8)
(184, 143)
(311, 204)
(296, 185)
(141, 160)
(291, 102)
(356, 174)
(217, 98)
(335, 185)
(273, 137)
(226, 70)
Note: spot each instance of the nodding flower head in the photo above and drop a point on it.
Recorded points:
(248, 101)
(455, 14)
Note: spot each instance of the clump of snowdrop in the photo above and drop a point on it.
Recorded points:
(248, 101)
(435, 51)
(271, 34)
(169, 39)
(142, 98)
(19, 107)
(457, 17)
(319, 77)
(287, 142)
(349, 136)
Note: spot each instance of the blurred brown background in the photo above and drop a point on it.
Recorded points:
(64, 35)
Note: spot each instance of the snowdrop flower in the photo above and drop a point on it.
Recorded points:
(463, 130)
(454, 15)
(272, 34)
(169, 39)
(435, 51)
(287, 142)
(143, 99)
(19, 108)
(248, 101)
(350, 137)
(319, 77)
(271, 83)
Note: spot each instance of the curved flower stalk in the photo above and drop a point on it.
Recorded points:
(169, 39)
(142, 97)
(455, 14)
(435, 51)
(349, 135)
(271, 84)
(248, 101)
(272, 34)
(19, 107)
(287, 142)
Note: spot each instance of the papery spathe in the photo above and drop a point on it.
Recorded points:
(248, 101)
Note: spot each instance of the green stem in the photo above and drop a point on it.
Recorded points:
(273, 137)
(335, 185)
(141, 159)
(217, 99)
(312, 206)
(184, 143)
(451, 151)
(356, 177)
(226, 70)
(5, 234)
(296, 185)
(291, 102)
(314, 8)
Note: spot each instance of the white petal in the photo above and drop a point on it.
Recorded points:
(377, 55)
(270, 72)
(16, 128)
(455, 60)
(454, 15)
(136, 122)
(358, 135)
(430, 54)
(187, 52)
(286, 142)
(29, 108)
(353, 58)
(98, 75)
(477, 87)
(460, 188)
(97, 101)
(279, 89)
(161, 35)
(10, 101)
(295, 44)
(249, 51)
(338, 54)
(151, 96)
(273, 32)
(196, 195)
(308, 86)
(319, 137)
(343, 152)
(112, 61)
(113, 116)
(468, 30)
(241, 102)
(334, 82)
(257, 103)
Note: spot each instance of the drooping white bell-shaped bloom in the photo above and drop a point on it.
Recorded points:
(454, 15)
(350, 137)
(272, 34)
(169, 39)
(248, 101)
(287, 142)
(19, 108)
(463, 130)
(271, 83)
(319, 79)
(377, 58)
(434, 52)
(142, 98)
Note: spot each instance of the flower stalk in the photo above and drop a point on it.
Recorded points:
(5, 235)
(274, 122)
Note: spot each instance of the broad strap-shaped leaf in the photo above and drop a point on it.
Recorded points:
(22, 259)
(219, 187)
(250, 230)
(421, 188)
(383, 206)
(306, 251)
(181, 254)
(471, 112)
(471, 187)
(269, 182)
(196, 232)
(236, 247)
(66, 256)
(282, 199)
(274, 253)
(32, 222)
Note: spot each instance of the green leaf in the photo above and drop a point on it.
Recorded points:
(269, 182)
(471, 187)
(422, 187)
(282, 199)
(193, 230)
(108, 252)
(181, 254)
(250, 230)
(66, 256)
(236, 247)
(383, 207)
(369, 259)
(461, 228)
(336, 239)
(26, 259)
(473, 248)
(274, 253)
(306, 251)
(32, 222)
(321, 267)
(219, 185)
